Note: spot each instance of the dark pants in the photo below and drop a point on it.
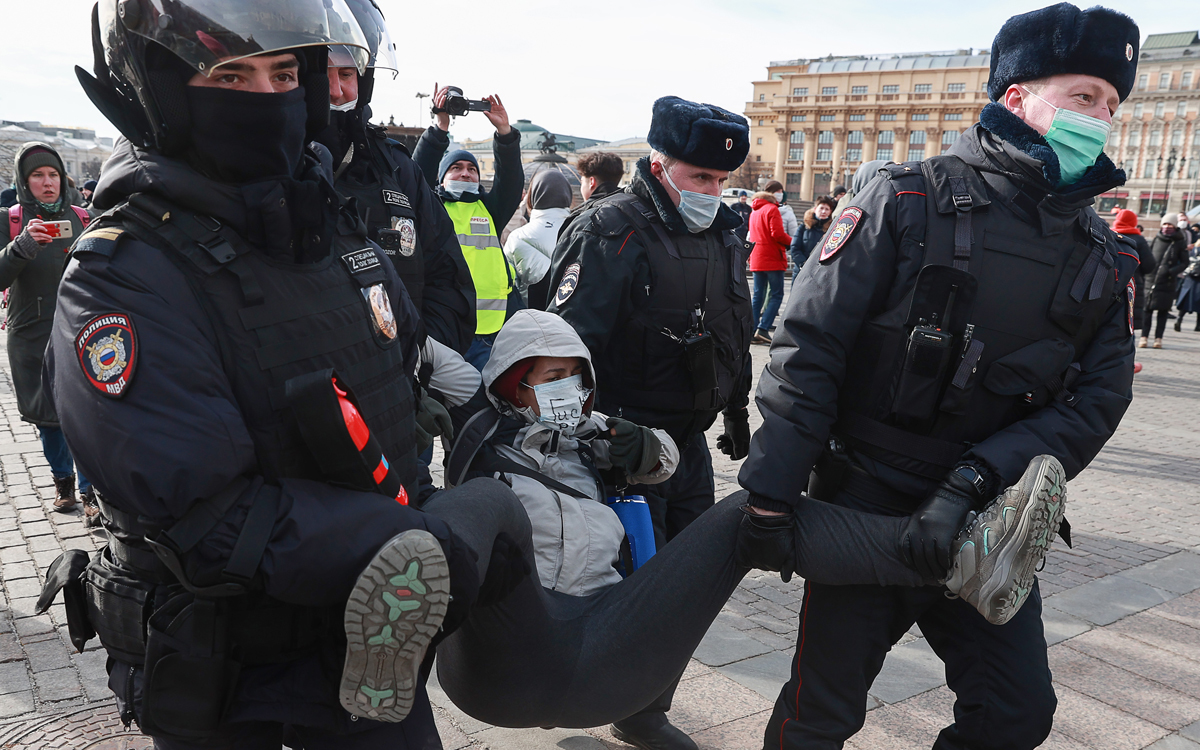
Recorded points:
(1160, 328)
(54, 446)
(768, 296)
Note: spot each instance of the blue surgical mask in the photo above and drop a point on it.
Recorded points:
(458, 187)
(1077, 139)
(698, 210)
(561, 403)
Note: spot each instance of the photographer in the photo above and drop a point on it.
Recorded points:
(478, 216)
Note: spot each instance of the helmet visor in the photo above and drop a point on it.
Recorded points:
(379, 41)
(209, 33)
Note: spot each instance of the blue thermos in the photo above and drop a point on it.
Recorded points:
(634, 512)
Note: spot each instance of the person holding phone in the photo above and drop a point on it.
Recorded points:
(39, 231)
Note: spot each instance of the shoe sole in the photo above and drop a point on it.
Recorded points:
(394, 611)
(1011, 581)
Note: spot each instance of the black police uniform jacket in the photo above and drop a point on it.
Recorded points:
(408, 221)
(631, 301)
(169, 426)
(1050, 369)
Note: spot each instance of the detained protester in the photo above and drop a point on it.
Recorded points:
(478, 215)
(38, 231)
(530, 248)
(965, 316)
(399, 209)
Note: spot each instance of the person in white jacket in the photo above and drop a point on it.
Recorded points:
(531, 247)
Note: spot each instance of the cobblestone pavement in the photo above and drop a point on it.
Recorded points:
(1122, 611)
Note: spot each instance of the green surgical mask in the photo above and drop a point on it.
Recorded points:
(1077, 139)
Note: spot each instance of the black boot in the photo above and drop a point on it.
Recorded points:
(1179, 323)
(767, 543)
(64, 494)
(652, 731)
(91, 509)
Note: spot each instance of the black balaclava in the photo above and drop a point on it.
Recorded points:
(241, 136)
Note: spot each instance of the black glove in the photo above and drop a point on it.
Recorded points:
(432, 420)
(632, 448)
(928, 537)
(767, 543)
(506, 569)
(735, 443)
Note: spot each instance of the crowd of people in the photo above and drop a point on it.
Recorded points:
(276, 310)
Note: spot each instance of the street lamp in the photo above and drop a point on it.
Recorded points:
(1167, 186)
(421, 108)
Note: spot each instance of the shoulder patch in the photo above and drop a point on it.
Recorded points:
(841, 232)
(102, 241)
(566, 287)
(396, 198)
(107, 348)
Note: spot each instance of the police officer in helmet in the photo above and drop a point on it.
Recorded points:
(223, 299)
(400, 211)
(964, 315)
(653, 279)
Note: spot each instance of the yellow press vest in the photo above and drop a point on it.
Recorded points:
(485, 257)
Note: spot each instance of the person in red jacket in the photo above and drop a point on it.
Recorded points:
(768, 260)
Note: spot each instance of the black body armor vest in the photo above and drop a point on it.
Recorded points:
(370, 178)
(992, 328)
(650, 367)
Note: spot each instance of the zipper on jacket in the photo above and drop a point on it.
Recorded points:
(39, 304)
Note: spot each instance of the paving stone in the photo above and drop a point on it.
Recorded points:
(57, 684)
(45, 543)
(1178, 573)
(23, 588)
(894, 728)
(539, 739)
(47, 655)
(1122, 689)
(765, 674)
(908, 670)
(1185, 610)
(10, 648)
(723, 644)
(1060, 626)
(14, 677)
(17, 570)
(1109, 599)
(740, 734)
(35, 625)
(452, 737)
(1168, 635)
(17, 554)
(92, 673)
(15, 704)
(1099, 725)
(1192, 731)
(1174, 742)
(709, 701)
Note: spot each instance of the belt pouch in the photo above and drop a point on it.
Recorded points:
(701, 352)
(117, 608)
(922, 377)
(189, 678)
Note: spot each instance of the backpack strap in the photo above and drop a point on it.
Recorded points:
(955, 188)
(84, 217)
(643, 218)
(14, 221)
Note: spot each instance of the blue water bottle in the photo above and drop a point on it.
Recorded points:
(634, 512)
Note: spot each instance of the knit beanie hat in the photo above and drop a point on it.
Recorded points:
(452, 157)
(1126, 222)
(35, 158)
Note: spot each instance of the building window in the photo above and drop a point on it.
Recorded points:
(802, 91)
(923, 88)
(883, 153)
(887, 136)
(916, 154)
(796, 154)
(762, 97)
(825, 136)
(1181, 109)
(824, 154)
(758, 157)
(829, 91)
(956, 87)
(917, 136)
(1164, 81)
(854, 154)
(1193, 169)
(1196, 138)
(949, 136)
(1155, 137)
(828, 118)
(760, 141)
(854, 136)
(1186, 82)
(1143, 81)
(761, 122)
(887, 118)
(953, 116)
(797, 136)
(857, 118)
(858, 89)
(1158, 109)
(1138, 109)
(1177, 138)
(799, 118)
(922, 116)
(1135, 138)
(1148, 171)
(891, 89)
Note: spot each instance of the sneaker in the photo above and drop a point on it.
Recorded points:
(394, 611)
(996, 556)
(91, 509)
(64, 494)
(761, 337)
(1157, 343)
(1143, 342)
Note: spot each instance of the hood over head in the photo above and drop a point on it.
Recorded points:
(763, 198)
(549, 189)
(29, 157)
(1126, 222)
(528, 334)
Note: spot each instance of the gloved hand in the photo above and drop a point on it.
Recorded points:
(767, 542)
(26, 245)
(432, 420)
(506, 569)
(735, 443)
(632, 448)
(927, 539)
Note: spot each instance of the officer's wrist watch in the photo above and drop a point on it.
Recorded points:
(974, 476)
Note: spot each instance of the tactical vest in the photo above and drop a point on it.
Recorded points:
(992, 329)
(646, 367)
(485, 257)
(370, 178)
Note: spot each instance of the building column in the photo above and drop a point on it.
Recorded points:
(810, 156)
(869, 144)
(900, 145)
(781, 155)
(839, 150)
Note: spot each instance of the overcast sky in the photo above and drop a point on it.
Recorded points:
(585, 69)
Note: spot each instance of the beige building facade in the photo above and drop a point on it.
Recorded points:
(1155, 137)
(813, 122)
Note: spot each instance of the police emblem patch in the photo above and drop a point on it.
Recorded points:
(1128, 51)
(728, 144)
(841, 232)
(408, 235)
(566, 287)
(382, 318)
(107, 349)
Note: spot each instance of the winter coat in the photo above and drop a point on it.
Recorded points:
(744, 210)
(1170, 257)
(1189, 287)
(33, 290)
(768, 235)
(790, 225)
(531, 247)
(503, 200)
(576, 541)
(807, 239)
(1145, 268)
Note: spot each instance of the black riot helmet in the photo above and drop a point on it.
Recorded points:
(379, 43)
(144, 50)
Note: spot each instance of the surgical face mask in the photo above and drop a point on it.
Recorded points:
(458, 187)
(778, 197)
(347, 107)
(1077, 139)
(561, 403)
(698, 210)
